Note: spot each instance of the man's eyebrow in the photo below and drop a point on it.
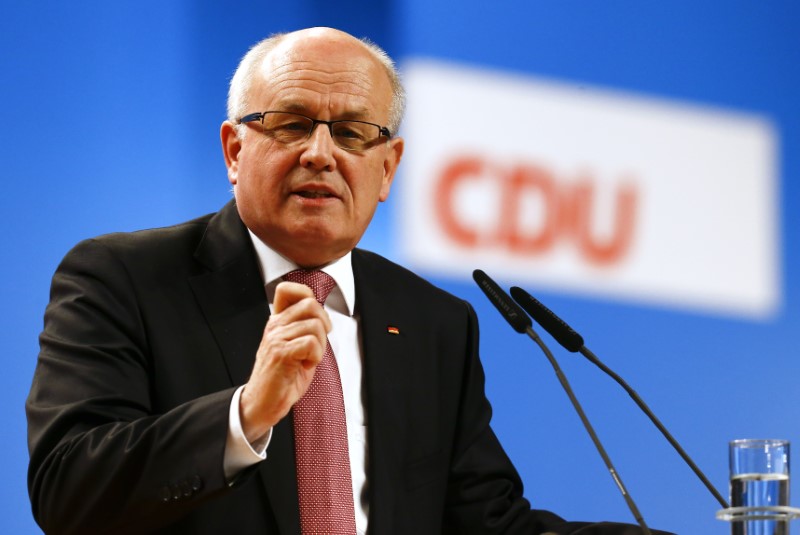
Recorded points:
(292, 106)
(358, 114)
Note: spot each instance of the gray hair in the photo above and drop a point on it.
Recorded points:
(243, 78)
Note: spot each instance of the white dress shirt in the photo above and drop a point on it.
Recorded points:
(345, 341)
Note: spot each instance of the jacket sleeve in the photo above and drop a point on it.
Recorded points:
(103, 458)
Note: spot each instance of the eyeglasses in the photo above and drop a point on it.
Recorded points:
(289, 128)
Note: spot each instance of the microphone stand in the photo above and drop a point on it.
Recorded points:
(521, 323)
(573, 342)
(589, 429)
(653, 418)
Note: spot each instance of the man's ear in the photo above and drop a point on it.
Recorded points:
(394, 153)
(231, 145)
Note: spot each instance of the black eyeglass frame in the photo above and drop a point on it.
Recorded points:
(382, 130)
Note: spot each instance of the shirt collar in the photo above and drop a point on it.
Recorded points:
(274, 266)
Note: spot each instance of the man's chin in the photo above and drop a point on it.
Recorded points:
(311, 250)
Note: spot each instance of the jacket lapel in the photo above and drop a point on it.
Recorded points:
(385, 342)
(231, 292)
(232, 297)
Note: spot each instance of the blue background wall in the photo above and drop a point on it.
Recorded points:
(110, 114)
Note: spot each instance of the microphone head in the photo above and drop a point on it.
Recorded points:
(513, 314)
(558, 328)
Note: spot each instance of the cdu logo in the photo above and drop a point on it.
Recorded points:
(590, 190)
(568, 211)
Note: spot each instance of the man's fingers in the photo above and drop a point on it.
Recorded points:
(292, 345)
(306, 350)
(295, 302)
(290, 333)
(288, 293)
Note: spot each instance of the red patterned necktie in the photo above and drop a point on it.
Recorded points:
(324, 481)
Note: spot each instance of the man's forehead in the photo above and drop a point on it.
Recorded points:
(297, 84)
(296, 73)
(354, 109)
(329, 69)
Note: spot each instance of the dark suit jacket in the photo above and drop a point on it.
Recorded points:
(146, 337)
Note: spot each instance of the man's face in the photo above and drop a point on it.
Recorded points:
(312, 201)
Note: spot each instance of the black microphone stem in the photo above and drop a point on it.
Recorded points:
(573, 342)
(589, 429)
(653, 418)
(521, 323)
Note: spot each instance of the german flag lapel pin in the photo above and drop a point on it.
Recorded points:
(391, 329)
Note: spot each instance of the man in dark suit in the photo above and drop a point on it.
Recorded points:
(173, 361)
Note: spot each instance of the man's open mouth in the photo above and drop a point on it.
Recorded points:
(314, 194)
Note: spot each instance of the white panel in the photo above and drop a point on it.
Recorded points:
(588, 190)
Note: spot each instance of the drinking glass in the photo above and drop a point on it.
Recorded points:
(759, 486)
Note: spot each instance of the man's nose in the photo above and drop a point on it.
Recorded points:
(318, 149)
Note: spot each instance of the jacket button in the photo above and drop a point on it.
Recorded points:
(186, 488)
(196, 483)
(164, 493)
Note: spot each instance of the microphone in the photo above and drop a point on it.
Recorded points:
(521, 323)
(573, 342)
(508, 308)
(558, 328)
